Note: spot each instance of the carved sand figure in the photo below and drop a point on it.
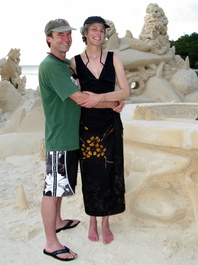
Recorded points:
(161, 165)
(11, 71)
(21, 201)
(21, 83)
(154, 31)
(127, 42)
(154, 72)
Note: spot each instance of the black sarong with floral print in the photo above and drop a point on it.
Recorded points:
(101, 146)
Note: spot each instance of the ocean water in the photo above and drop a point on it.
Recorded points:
(31, 73)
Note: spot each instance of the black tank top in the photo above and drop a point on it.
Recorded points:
(88, 82)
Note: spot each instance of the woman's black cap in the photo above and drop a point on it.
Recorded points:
(96, 19)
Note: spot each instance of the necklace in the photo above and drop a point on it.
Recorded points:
(88, 58)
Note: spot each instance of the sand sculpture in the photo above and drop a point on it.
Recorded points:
(10, 70)
(161, 153)
(154, 71)
(160, 133)
(21, 201)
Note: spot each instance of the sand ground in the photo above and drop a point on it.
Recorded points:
(22, 236)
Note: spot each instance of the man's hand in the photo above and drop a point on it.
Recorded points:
(91, 101)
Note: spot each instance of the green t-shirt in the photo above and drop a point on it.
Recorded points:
(62, 114)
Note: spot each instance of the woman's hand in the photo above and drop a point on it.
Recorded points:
(120, 106)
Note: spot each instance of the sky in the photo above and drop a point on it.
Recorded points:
(22, 22)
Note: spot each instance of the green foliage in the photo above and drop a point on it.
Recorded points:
(187, 45)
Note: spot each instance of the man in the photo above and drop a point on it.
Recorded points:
(59, 93)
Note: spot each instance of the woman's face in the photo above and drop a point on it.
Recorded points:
(95, 34)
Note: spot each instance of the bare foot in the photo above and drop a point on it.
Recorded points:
(107, 235)
(106, 232)
(93, 230)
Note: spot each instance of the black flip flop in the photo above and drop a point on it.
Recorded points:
(61, 251)
(67, 226)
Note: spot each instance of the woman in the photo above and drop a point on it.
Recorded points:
(101, 153)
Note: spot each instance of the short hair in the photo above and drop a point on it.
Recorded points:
(49, 35)
(85, 29)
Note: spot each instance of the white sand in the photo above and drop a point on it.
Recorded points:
(22, 235)
(141, 241)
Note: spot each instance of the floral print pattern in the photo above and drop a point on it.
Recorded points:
(93, 147)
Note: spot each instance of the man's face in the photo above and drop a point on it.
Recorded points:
(60, 41)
